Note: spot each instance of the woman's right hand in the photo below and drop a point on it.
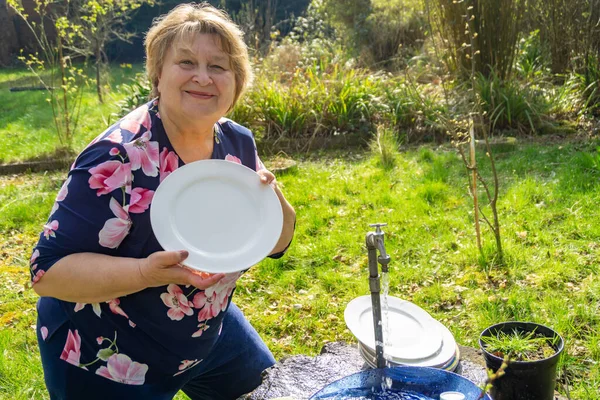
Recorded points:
(165, 267)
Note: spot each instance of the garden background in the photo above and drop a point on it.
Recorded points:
(377, 102)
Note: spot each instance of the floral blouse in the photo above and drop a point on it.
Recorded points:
(104, 207)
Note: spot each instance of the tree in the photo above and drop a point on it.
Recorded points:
(50, 26)
(256, 19)
(9, 41)
(97, 23)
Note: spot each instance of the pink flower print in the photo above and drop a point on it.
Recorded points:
(115, 229)
(121, 369)
(210, 308)
(177, 302)
(140, 200)
(115, 137)
(168, 163)
(95, 307)
(64, 190)
(99, 340)
(109, 175)
(224, 288)
(38, 275)
(201, 328)
(114, 152)
(115, 308)
(136, 119)
(143, 153)
(44, 332)
(234, 159)
(34, 256)
(215, 298)
(50, 228)
(187, 364)
(132, 324)
(72, 351)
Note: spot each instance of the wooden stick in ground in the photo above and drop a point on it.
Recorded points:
(474, 184)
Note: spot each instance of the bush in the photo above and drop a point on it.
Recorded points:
(531, 58)
(382, 33)
(137, 93)
(385, 147)
(509, 105)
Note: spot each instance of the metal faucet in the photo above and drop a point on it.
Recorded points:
(375, 243)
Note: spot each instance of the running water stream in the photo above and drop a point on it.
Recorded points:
(386, 382)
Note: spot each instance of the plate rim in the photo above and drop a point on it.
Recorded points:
(209, 168)
(363, 303)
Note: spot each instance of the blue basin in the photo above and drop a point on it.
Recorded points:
(418, 383)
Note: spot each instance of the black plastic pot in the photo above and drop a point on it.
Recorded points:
(524, 380)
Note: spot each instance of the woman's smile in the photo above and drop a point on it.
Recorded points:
(200, 95)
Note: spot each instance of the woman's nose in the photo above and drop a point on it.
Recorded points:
(202, 77)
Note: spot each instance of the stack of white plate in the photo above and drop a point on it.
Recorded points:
(415, 338)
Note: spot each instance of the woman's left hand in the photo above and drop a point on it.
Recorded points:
(267, 177)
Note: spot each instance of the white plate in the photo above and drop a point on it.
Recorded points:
(442, 359)
(220, 212)
(372, 361)
(414, 335)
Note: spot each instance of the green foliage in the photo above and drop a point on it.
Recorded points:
(591, 80)
(96, 23)
(321, 100)
(509, 105)
(381, 33)
(531, 60)
(54, 68)
(478, 36)
(385, 147)
(137, 92)
(569, 29)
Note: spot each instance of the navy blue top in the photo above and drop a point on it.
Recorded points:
(103, 207)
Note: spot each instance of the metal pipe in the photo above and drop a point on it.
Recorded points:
(375, 287)
(375, 242)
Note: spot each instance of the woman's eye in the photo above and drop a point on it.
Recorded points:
(218, 67)
(186, 62)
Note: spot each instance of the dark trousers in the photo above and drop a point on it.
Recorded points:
(231, 369)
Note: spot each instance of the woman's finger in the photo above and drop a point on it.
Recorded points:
(266, 176)
(168, 258)
(203, 283)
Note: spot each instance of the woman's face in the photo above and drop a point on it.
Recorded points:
(196, 80)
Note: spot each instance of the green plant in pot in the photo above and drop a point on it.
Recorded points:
(533, 351)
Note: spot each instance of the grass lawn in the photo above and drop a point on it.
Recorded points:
(549, 218)
(26, 128)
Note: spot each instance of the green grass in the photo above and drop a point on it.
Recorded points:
(549, 218)
(26, 127)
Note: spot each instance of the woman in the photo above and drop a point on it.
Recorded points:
(119, 318)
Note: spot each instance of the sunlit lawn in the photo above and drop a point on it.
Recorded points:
(549, 215)
(26, 122)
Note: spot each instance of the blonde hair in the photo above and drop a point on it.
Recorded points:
(183, 23)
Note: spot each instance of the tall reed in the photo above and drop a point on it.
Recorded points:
(479, 35)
